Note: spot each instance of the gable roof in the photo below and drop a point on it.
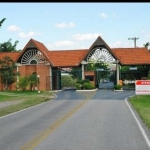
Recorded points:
(71, 58)
(40, 46)
(67, 58)
(100, 42)
(132, 56)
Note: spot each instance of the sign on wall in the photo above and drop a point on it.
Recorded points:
(142, 87)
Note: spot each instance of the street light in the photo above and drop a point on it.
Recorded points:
(38, 76)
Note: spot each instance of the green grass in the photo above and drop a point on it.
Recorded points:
(141, 103)
(27, 99)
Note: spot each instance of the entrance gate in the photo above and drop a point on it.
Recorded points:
(101, 54)
(54, 82)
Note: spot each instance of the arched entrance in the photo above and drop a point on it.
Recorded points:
(105, 74)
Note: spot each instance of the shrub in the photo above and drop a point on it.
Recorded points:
(84, 84)
(23, 83)
(68, 81)
(117, 87)
(88, 86)
(78, 86)
(83, 81)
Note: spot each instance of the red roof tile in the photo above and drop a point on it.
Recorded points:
(70, 58)
(67, 58)
(13, 55)
(132, 56)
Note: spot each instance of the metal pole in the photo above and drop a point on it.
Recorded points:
(134, 40)
(38, 76)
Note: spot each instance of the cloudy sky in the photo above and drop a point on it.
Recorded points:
(68, 26)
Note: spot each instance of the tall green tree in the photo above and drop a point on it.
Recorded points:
(8, 46)
(8, 71)
(1, 22)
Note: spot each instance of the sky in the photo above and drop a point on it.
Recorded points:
(71, 26)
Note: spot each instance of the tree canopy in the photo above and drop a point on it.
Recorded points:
(8, 46)
(7, 71)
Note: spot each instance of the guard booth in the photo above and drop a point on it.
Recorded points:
(91, 75)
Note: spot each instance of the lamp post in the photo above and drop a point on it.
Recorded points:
(38, 76)
(117, 68)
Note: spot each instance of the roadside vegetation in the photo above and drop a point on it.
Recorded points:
(141, 103)
(24, 100)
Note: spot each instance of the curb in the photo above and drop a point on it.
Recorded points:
(85, 90)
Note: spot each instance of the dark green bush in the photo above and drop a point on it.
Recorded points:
(83, 81)
(78, 86)
(117, 87)
(84, 84)
(88, 86)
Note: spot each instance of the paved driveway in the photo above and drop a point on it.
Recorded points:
(105, 122)
(74, 120)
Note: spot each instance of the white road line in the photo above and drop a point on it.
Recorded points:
(139, 124)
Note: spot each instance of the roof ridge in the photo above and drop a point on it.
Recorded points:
(68, 50)
(127, 47)
(36, 41)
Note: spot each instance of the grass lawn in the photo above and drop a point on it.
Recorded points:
(141, 104)
(27, 99)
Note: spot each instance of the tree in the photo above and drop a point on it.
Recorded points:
(33, 80)
(7, 71)
(76, 73)
(101, 74)
(146, 45)
(1, 22)
(23, 82)
(106, 70)
(8, 46)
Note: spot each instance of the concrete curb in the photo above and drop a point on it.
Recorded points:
(85, 90)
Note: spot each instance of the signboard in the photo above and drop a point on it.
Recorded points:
(133, 68)
(100, 69)
(142, 87)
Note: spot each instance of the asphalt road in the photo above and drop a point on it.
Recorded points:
(98, 120)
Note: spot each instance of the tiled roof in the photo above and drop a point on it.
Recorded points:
(40, 46)
(67, 58)
(132, 56)
(13, 55)
(70, 58)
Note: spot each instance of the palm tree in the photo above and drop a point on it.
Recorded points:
(1, 22)
(147, 45)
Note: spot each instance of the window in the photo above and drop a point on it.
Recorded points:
(90, 77)
(33, 62)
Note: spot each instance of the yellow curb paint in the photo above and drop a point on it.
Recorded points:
(39, 138)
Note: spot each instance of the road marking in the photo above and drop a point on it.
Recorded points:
(139, 124)
(39, 138)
